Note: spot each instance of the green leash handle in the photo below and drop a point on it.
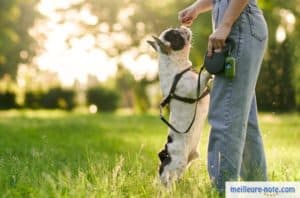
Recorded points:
(230, 63)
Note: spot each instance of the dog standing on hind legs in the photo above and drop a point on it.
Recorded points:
(173, 47)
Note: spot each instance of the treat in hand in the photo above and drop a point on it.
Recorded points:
(187, 16)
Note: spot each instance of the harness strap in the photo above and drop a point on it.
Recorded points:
(184, 99)
(176, 79)
(172, 95)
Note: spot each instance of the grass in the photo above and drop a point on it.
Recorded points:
(60, 154)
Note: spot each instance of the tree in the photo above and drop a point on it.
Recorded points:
(275, 90)
(125, 84)
(279, 80)
(133, 20)
(16, 44)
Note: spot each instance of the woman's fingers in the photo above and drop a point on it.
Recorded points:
(217, 39)
(210, 48)
(182, 16)
(187, 22)
(218, 44)
(187, 19)
(187, 16)
(214, 44)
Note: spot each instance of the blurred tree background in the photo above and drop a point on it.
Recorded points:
(122, 28)
(16, 44)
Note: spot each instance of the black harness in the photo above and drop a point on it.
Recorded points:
(172, 95)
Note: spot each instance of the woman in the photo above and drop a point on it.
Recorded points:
(235, 145)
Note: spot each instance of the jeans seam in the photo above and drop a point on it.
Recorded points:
(228, 119)
(227, 124)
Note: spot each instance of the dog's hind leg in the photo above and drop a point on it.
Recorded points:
(173, 161)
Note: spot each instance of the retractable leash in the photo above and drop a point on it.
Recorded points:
(172, 95)
(222, 62)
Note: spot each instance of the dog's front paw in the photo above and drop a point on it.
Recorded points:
(165, 179)
(171, 173)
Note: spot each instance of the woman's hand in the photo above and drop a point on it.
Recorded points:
(187, 15)
(217, 39)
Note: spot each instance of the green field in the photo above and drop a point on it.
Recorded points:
(59, 154)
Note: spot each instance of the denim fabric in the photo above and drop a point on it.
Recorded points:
(235, 145)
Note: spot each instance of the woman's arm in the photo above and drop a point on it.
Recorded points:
(218, 37)
(189, 14)
(203, 6)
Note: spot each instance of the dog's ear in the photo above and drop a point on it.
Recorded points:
(163, 47)
(152, 43)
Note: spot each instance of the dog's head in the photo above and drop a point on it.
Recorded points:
(173, 41)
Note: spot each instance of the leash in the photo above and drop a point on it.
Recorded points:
(172, 95)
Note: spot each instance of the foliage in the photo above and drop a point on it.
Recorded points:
(58, 98)
(131, 20)
(109, 155)
(55, 98)
(16, 44)
(33, 99)
(275, 90)
(278, 86)
(7, 100)
(126, 24)
(142, 102)
(125, 84)
(134, 93)
(105, 99)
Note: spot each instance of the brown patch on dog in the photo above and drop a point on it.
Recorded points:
(193, 155)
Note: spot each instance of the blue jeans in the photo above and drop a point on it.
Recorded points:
(235, 143)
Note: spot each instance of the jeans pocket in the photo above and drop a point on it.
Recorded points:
(258, 25)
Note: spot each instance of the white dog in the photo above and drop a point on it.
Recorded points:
(173, 47)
